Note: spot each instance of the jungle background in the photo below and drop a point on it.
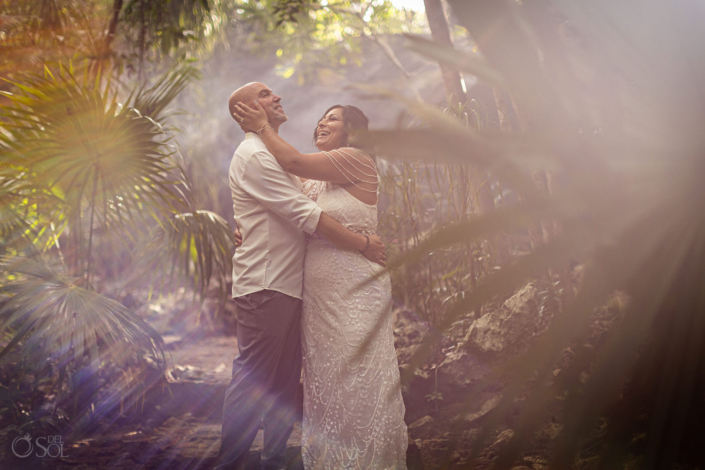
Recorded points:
(541, 200)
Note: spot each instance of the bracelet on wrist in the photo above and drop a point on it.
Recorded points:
(263, 128)
(367, 245)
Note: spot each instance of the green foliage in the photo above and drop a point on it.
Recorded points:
(423, 196)
(158, 28)
(85, 173)
(316, 38)
(77, 146)
(93, 195)
(35, 33)
(613, 114)
(194, 245)
(54, 316)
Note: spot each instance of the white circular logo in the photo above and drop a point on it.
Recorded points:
(16, 448)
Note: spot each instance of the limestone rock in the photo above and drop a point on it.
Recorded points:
(461, 368)
(187, 372)
(511, 327)
(414, 460)
(417, 384)
(420, 423)
(502, 438)
(486, 407)
(536, 462)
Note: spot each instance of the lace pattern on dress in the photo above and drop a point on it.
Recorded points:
(353, 408)
(313, 188)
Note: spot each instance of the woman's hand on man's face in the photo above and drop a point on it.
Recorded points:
(250, 119)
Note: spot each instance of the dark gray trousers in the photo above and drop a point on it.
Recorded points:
(265, 379)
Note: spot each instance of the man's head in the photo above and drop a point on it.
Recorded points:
(247, 94)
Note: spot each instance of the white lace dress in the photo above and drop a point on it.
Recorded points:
(353, 408)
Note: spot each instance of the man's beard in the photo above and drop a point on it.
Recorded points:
(280, 117)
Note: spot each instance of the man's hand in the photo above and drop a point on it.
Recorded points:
(238, 237)
(343, 238)
(376, 251)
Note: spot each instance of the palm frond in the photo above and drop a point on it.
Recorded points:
(82, 154)
(195, 246)
(52, 314)
(153, 101)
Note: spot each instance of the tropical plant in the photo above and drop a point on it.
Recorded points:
(158, 28)
(37, 32)
(615, 113)
(420, 196)
(112, 36)
(85, 172)
(316, 38)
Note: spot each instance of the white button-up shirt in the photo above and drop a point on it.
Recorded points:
(272, 214)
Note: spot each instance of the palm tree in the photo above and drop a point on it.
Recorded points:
(83, 171)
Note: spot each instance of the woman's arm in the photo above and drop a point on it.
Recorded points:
(338, 166)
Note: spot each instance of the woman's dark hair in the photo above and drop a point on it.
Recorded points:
(354, 120)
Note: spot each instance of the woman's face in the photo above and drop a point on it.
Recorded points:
(331, 131)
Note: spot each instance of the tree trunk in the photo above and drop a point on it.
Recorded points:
(143, 32)
(440, 32)
(505, 111)
(112, 28)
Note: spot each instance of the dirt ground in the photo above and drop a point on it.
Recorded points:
(191, 440)
(180, 427)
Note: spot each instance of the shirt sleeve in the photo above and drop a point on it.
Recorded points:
(266, 181)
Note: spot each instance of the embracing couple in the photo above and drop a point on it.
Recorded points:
(308, 225)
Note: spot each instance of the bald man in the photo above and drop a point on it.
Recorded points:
(272, 214)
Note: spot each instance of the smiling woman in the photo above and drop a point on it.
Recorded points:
(349, 119)
(330, 132)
